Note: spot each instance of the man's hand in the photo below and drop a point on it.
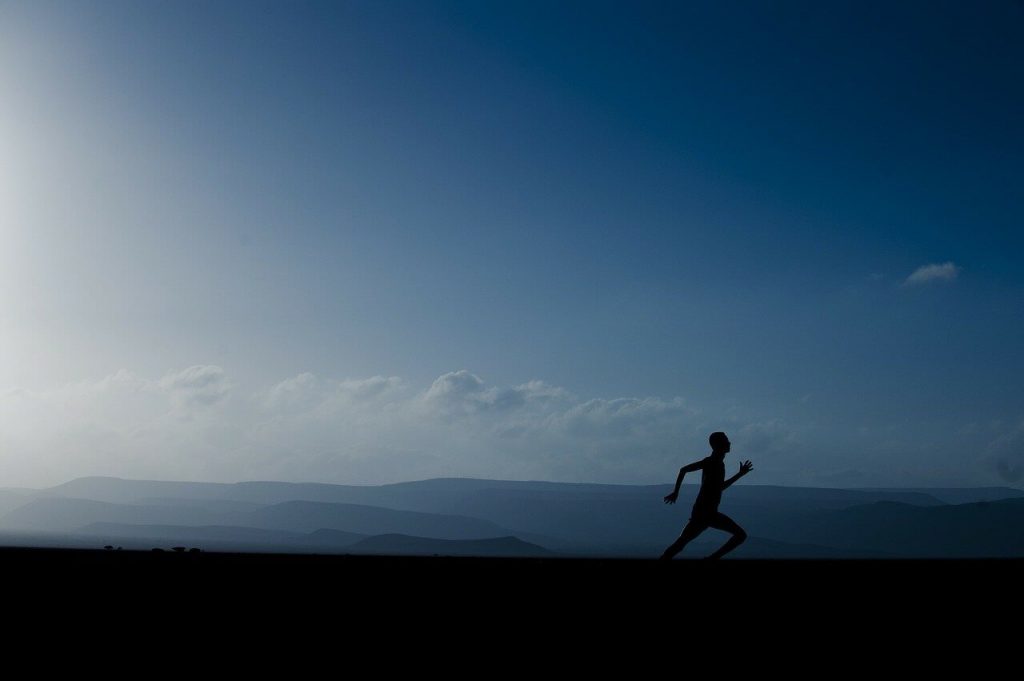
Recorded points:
(746, 467)
(671, 498)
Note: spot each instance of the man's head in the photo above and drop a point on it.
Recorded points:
(719, 443)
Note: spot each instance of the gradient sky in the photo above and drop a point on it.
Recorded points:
(378, 241)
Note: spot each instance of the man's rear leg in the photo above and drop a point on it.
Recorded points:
(727, 524)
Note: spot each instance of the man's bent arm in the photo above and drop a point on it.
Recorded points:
(689, 468)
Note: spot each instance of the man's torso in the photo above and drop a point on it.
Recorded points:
(712, 480)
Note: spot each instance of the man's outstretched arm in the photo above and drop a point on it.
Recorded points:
(745, 468)
(689, 468)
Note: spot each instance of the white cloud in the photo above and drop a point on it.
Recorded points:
(456, 392)
(462, 393)
(946, 271)
(309, 392)
(200, 385)
(192, 424)
(300, 391)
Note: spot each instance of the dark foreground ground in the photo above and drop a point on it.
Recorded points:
(573, 609)
(533, 584)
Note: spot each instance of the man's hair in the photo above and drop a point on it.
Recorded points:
(717, 440)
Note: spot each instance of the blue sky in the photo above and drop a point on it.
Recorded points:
(666, 218)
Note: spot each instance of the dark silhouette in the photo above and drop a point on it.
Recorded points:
(705, 511)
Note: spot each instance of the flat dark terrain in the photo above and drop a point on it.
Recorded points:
(570, 614)
(367, 582)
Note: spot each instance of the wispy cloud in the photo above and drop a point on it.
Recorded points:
(1006, 453)
(926, 274)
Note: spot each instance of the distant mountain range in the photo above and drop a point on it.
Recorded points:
(510, 518)
(403, 545)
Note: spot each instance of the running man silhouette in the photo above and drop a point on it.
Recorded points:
(705, 511)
